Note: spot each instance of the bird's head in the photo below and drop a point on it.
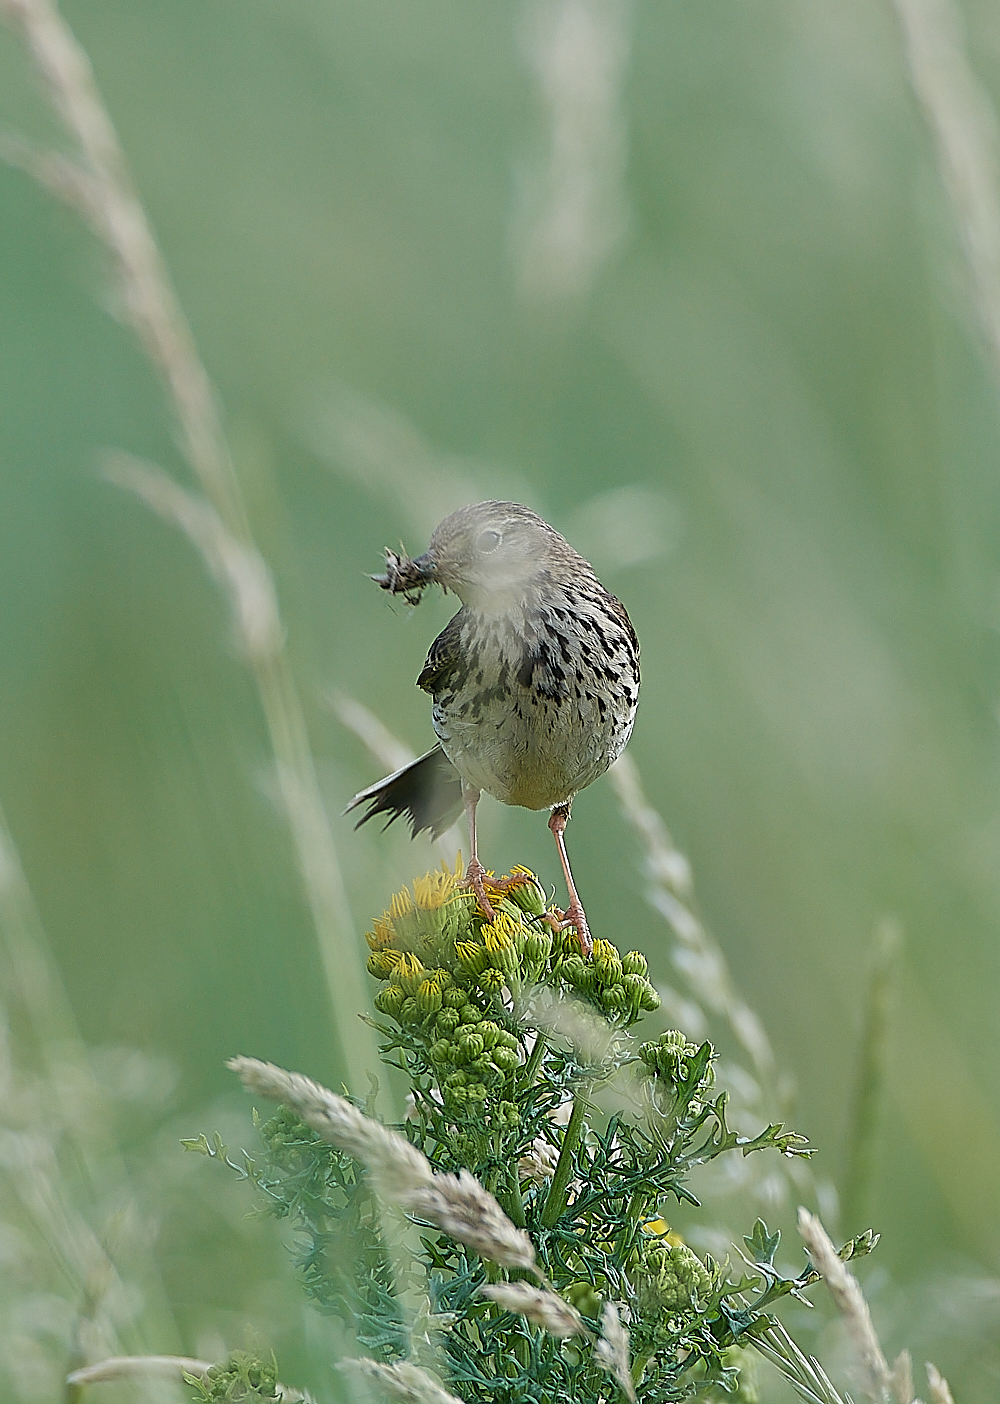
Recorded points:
(491, 555)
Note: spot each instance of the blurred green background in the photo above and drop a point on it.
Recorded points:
(682, 276)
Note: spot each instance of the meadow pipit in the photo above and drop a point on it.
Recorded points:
(535, 681)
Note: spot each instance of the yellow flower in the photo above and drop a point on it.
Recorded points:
(506, 927)
(659, 1228)
(435, 889)
(384, 963)
(401, 904)
(409, 973)
(383, 934)
(500, 944)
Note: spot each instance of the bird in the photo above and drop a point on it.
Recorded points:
(534, 682)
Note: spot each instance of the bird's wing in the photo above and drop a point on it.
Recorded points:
(621, 614)
(443, 658)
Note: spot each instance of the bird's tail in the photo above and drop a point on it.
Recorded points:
(427, 790)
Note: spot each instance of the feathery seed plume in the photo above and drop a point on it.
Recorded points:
(408, 1384)
(167, 1367)
(902, 1379)
(611, 1351)
(456, 1204)
(539, 1164)
(877, 1379)
(541, 1307)
(938, 1385)
(397, 1167)
(459, 1206)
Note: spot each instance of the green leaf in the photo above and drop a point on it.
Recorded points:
(761, 1244)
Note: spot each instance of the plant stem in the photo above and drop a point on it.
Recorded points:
(534, 1059)
(556, 1201)
(869, 1087)
(515, 1204)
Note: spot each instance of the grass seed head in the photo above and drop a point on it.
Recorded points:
(540, 1306)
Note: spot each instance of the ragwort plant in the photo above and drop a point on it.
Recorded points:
(542, 1260)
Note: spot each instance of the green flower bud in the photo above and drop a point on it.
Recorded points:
(389, 1000)
(453, 1080)
(538, 947)
(507, 1040)
(573, 970)
(428, 997)
(508, 1114)
(476, 1092)
(381, 964)
(447, 1021)
(672, 1278)
(526, 894)
(489, 1032)
(650, 999)
(505, 1059)
(607, 963)
(410, 1011)
(614, 999)
(670, 1054)
(584, 1296)
(635, 963)
(441, 1051)
(455, 998)
(565, 943)
(470, 1045)
(408, 974)
(470, 1014)
(491, 982)
(472, 957)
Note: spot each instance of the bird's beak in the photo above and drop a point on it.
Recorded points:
(424, 567)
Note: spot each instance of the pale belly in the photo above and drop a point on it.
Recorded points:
(533, 751)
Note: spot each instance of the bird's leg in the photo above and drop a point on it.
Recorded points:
(475, 872)
(574, 915)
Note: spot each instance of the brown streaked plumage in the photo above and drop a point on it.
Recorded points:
(535, 681)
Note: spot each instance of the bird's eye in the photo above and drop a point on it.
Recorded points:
(488, 541)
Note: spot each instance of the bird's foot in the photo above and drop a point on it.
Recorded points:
(475, 877)
(577, 918)
(504, 884)
(574, 916)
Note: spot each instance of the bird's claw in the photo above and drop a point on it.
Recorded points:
(574, 916)
(475, 877)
